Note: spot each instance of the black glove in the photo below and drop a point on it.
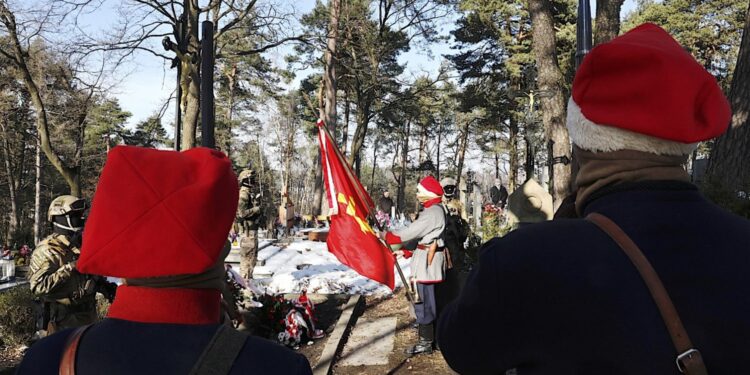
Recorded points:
(88, 287)
(106, 288)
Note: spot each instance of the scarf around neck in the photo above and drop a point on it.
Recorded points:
(600, 169)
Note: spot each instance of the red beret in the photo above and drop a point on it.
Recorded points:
(646, 83)
(159, 213)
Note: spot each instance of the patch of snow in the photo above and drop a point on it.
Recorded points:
(267, 252)
(309, 265)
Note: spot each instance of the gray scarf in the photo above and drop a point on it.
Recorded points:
(212, 278)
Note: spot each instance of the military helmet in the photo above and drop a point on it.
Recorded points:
(64, 205)
(449, 187)
(246, 174)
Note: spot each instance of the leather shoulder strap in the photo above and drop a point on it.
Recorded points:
(68, 361)
(689, 360)
(220, 353)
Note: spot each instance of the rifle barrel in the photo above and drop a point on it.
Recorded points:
(208, 119)
(583, 31)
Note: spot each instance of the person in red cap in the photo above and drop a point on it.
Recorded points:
(563, 297)
(427, 260)
(159, 221)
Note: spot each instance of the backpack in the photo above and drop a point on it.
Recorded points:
(455, 232)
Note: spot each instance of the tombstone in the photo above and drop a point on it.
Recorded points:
(477, 204)
(699, 170)
(463, 198)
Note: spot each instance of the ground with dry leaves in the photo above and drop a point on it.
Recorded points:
(406, 335)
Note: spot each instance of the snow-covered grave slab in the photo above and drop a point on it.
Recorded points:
(308, 265)
(267, 252)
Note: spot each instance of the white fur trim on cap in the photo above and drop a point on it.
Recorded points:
(603, 138)
(422, 191)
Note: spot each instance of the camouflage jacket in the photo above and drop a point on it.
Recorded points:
(248, 210)
(52, 273)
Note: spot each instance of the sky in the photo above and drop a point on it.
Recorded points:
(148, 81)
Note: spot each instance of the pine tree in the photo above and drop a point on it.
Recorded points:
(148, 133)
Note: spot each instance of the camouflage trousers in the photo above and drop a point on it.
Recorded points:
(248, 254)
(64, 317)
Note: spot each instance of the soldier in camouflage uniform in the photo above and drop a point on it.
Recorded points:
(52, 270)
(248, 218)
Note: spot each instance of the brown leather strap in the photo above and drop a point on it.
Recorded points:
(68, 362)
(689, 359)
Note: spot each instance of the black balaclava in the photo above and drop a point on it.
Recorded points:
(68, 224)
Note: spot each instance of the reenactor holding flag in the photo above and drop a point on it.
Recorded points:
(428, 264)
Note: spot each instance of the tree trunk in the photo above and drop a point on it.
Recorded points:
(190, 80)
(529, 165)
(345, 129)
(329, 77)
(363, 119)
(38, 193)
(374, 163)
(497, 163)
(358, 166)
(401, 196)
(13, 183)
(512, 155)
(328, 108)
(462, 151)
(318, 189)
(71, 175)
(550, 79)
(729, 165)
(607, 20)
(439, 141)
(318, 203)
(423, 144)
(231, 78)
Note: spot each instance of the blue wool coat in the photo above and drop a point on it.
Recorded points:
(562, 298)
(110, 346)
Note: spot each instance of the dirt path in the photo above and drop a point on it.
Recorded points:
(406, 335)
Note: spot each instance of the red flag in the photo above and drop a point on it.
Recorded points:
(351, 239)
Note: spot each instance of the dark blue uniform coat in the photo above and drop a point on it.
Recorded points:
(110, 347)
(562, 298)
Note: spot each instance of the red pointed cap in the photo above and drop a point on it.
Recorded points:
(430, 184)
(159, 213)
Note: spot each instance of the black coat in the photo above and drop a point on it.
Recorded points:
(499, 196)
(562, 298)
(385, 204)
(110, 346)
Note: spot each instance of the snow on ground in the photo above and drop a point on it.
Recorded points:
(308, 265)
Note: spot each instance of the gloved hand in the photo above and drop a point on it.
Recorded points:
(88, 287)
(106, 288)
